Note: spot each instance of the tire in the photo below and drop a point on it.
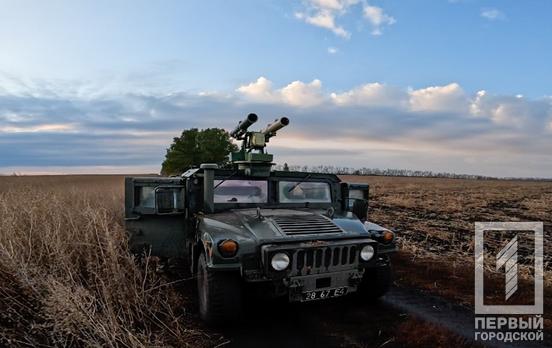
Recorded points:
(219, 295)
(375, 282)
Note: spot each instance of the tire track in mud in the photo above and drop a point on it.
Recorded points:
(346, 322)
(455, 318)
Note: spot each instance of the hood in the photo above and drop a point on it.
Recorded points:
(267, 225)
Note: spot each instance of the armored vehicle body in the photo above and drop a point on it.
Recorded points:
(301, 235)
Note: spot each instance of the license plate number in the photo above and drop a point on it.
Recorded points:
(323, 294)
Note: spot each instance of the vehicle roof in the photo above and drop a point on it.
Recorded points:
(227, 172)
(275, 174)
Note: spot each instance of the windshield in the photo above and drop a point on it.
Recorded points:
(241, 191)
(302, 192)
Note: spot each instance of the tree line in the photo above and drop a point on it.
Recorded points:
(364, 171)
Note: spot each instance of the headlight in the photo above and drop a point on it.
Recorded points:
(280, 261)
(367, 252)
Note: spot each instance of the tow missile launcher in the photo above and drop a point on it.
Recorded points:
(252, 157)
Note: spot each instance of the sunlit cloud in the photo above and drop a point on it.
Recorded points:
(372, 94)
(326, 14)
(439, 98)
(296, 93)
(43, 128)
(378, 18)
(324, 19)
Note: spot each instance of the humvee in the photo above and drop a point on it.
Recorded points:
(283, 233)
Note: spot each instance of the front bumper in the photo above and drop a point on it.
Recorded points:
(295, 286)
(314, 266)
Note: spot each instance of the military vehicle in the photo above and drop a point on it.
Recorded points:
(277, 233)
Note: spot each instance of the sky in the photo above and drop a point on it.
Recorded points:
(459, 86)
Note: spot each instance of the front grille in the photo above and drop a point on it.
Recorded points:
(323, 260)
(306, 224)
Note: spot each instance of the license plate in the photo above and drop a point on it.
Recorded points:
(324, 294)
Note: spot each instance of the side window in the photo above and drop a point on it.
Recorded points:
(169, 200)
(356, 193)
(144, 197)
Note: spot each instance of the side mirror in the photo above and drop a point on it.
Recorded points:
(168, 200)
(360, 209)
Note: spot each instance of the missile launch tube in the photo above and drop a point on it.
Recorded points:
(276, 126)
(241, 128)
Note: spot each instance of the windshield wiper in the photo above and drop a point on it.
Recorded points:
(223, 180)
(299, 182)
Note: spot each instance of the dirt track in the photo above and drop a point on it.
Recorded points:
(336, 323)
(398, 320)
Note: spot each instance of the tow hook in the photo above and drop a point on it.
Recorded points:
(355, 278)
(295, 285)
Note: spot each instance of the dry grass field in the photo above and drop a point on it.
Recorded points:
(434, 220)
(67, 279)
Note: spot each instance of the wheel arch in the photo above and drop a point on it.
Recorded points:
(204, 245)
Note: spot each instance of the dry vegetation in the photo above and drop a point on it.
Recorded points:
(66, 277)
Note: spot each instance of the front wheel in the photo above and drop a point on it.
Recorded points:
(375, 282)
(220, 294)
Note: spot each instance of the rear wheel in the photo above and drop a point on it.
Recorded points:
(375, 282)
(220, 294)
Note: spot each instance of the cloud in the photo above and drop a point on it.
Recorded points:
(378, 18)
(372, 94)
(335, 5)
(332, 50)
(297, 93)
(512, 111)
(492, 14)
(259, 90)
(449, 98)
(324, 18)
(43, 128)
(303, 94)
(325, 13)
(440, 128)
